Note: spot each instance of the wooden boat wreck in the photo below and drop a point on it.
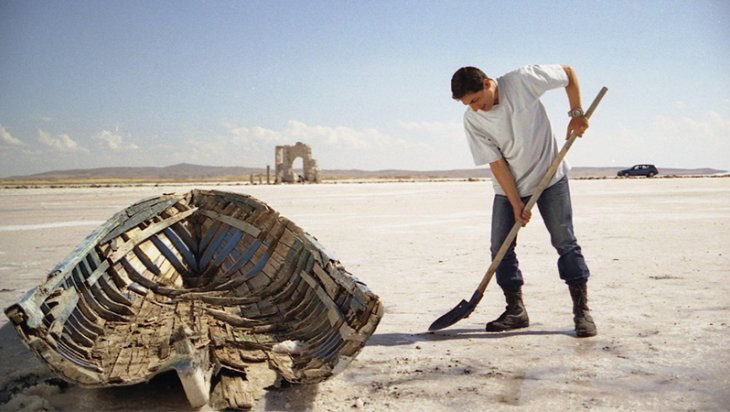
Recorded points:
(214, 285)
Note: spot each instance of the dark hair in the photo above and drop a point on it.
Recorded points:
(467, 80)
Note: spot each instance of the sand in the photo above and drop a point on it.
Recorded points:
(658, 249)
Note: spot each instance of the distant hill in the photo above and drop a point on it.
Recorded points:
(178, 171)
(478, 173)
(611, 171)
(184, 171)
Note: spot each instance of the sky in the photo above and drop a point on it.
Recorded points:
(87, 84)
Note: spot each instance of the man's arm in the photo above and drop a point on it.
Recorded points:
(501, 172)
(578, 124)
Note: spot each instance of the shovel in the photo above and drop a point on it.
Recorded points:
(464, 308)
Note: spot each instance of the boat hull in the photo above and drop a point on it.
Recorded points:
(215, 285)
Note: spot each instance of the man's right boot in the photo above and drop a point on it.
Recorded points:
(514, 316)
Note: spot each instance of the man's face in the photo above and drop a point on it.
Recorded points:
(483, 99)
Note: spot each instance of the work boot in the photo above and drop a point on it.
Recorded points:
(515, 315)
(584, 326)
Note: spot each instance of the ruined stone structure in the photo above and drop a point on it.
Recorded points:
(285, 157)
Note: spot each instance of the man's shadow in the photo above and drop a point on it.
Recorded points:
(397, 339)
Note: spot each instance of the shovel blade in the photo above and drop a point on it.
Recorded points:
(456, 314)
(461, 311)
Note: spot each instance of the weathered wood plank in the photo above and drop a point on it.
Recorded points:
(238, 224)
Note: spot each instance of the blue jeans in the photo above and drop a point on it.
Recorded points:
(556, 210)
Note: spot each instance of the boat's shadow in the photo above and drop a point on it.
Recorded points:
(162, 392)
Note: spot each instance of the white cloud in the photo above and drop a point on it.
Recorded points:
(332, 146)
(8, 139)
(345, 137)
(62, 143)
(669, 141)
(684, 141)
(700, 141)
(114, 141)
(451, 130)
(253, 135)
(713, 127)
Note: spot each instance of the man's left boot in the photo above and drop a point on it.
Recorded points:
(584, 326)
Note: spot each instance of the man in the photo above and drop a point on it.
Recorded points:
(507, 127)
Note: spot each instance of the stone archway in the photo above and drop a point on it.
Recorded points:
(285, 157)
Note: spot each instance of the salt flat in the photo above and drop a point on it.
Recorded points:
(658, 250)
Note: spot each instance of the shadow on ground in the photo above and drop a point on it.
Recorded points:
(396, 339)
(164, 392)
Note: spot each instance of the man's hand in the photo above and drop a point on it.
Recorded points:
(521, 215)
(577, 125)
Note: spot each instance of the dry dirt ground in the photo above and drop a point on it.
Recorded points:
(658, 249)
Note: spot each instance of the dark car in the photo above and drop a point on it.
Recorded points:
(639, 170)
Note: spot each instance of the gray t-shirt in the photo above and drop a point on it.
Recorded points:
(518, 129)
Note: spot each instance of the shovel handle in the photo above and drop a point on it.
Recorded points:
(533, 199)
